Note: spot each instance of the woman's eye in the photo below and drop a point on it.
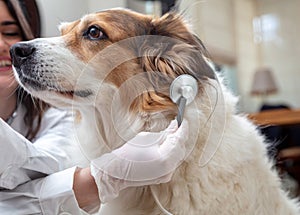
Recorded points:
(95, 33)
(11, 34)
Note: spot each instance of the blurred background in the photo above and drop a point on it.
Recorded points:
(252, 42)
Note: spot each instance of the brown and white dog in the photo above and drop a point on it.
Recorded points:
(116, 67)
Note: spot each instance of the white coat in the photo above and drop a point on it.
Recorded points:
(37, 177)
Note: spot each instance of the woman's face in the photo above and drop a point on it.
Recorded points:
(10, 33)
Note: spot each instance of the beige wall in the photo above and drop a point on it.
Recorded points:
(53, 12)
(225, 26)
(247, 52)
(282, 53)
(212, 21)
(97, 5)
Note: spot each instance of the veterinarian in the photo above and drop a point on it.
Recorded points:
(38, 174)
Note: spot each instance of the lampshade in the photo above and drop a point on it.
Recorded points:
(263, 82)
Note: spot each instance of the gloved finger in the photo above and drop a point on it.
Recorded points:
(175, 143)
(182, 132)
(172, 127)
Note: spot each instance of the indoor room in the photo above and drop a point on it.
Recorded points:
(169, 107)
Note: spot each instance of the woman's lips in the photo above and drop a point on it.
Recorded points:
(5, 69)
(5, 64)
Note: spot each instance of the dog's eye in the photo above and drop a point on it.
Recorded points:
(94, 33)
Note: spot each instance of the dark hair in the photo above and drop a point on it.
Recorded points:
(27, 15)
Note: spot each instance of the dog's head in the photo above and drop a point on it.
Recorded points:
(113, 50)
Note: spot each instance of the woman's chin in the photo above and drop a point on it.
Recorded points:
(8, 83)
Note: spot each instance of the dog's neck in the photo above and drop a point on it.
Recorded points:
(110, 123)
(106, 127)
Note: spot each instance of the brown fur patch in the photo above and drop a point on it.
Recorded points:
(167, 49)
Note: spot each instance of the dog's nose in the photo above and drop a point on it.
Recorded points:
(19, 52)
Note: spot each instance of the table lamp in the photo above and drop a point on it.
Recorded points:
(263, 83)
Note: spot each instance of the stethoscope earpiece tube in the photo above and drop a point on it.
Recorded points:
(181, 106)
(183, 91)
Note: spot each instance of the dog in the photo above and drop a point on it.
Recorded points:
(115, 68)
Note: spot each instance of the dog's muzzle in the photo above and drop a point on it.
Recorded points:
(20, 52)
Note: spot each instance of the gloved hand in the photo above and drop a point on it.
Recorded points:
(148, 158)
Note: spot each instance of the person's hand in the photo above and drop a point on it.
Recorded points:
(149, 158)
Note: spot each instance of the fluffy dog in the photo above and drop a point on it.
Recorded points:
(116, 67)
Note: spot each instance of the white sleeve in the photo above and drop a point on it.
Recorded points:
(50, 195)
(53, 149)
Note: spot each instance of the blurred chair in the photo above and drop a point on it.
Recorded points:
(287, 152)
(288, 160)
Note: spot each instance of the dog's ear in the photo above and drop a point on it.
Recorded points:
(170, 50)
(175, 50)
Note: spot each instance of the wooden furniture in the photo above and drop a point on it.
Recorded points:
(288, 159)
(276, 117)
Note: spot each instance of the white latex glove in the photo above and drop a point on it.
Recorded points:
(148, 158)
(13, 150)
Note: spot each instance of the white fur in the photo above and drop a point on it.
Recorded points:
(238, 178)
(226, 171)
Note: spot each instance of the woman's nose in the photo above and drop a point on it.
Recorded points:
(4, 46)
